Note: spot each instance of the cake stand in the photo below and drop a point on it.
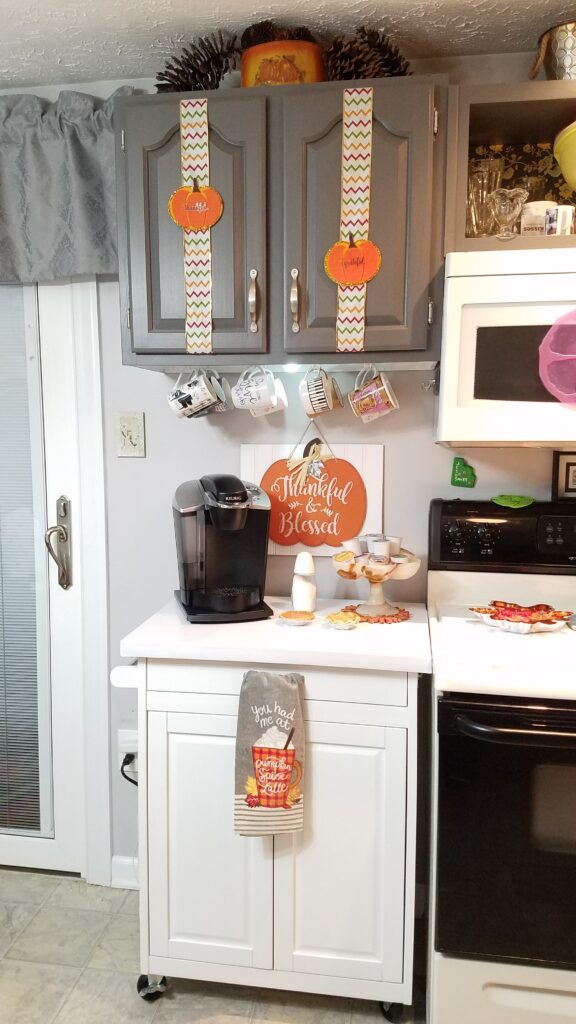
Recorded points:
(365, 567)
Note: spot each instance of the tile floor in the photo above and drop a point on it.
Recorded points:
(69, 955)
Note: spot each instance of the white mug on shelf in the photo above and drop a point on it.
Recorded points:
(255, 388)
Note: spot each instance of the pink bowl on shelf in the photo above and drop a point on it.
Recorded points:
(557, 359)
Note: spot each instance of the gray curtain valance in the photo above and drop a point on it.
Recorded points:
(57, 187)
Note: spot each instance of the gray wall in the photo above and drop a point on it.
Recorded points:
(142, 560)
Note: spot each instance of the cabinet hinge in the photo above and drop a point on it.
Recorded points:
(431, 311)
(435, 121)
(122, 139)
(129, 318)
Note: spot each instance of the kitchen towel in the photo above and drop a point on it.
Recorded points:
(268, 795)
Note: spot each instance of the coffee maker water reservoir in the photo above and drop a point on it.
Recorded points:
(222, 526)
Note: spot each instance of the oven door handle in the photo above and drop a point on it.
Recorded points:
(517, 737)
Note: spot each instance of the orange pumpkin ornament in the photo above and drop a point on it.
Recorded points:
(326, 508)
(195, 208)
(352, 263)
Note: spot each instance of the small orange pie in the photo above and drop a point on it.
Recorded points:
(296, 616)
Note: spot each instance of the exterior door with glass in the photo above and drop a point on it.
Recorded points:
(42, 804)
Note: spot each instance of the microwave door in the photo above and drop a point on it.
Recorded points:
(490, 389)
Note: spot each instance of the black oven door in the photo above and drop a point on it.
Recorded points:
(506, 842)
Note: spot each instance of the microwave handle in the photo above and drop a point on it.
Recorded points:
(517, 737)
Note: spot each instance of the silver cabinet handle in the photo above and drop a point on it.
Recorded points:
(63, 554)
(294, 301)
(253, 302)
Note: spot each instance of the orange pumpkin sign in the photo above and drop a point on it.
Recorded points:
(195, 208)
(352, 263)
(326, 505)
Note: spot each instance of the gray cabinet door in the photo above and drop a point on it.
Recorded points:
(151, 245)
(400, 215)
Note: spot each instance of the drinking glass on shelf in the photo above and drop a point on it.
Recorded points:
(506, 204)
(484, 176)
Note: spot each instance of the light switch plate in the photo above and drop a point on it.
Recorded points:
(131, 441)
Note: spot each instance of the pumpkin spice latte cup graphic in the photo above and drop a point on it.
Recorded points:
(275, 762)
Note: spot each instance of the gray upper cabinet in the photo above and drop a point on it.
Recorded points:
(275, 156)
(151, 244)
(400, 215)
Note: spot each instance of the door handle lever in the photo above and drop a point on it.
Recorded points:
(63, 553)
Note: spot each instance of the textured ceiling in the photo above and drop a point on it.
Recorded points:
(63, 41)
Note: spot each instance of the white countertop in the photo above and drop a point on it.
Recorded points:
(472, 657)
(403, 646)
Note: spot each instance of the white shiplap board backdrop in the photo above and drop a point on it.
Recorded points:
(368, 459)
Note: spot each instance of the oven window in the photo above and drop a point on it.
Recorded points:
(554, 808)
(506, 367)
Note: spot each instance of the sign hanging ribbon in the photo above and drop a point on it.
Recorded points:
(195, 168)
(354, 210)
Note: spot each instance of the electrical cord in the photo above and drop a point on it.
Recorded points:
(128, 759)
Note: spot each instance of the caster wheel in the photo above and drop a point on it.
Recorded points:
(392, 1011)
(150, 987)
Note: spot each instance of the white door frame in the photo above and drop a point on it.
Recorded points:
(94, 554)
(66, 316)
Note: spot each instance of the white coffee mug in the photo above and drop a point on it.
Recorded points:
(316, 392)
(372, 395)
(277, 403)
(223, 393)
(255, 388)
(193, 396)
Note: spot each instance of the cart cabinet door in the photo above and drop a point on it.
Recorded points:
(400, 215)
(210, 890)
(151, 244)
(339, 884)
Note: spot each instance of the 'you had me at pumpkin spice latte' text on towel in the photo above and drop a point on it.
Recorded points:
(268, 794)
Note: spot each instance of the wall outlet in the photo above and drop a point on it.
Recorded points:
(127, 744)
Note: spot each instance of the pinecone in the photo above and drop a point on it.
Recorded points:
(260, 32)
(201, 66)
(368, 54)
(342, 60)
(268, 32)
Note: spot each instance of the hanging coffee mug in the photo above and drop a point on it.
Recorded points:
(277, 403)
(372, 396)
(223, 393)
(316, 392)
(193, 396)
(255, 388)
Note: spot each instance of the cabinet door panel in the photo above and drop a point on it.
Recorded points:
(155, 252)
(400, 215)
(210, 890)
(339, 884)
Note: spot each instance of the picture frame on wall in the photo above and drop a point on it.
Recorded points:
(564, 476)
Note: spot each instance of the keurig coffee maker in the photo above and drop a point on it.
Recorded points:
(221, 526)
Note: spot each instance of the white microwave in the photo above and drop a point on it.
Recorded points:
(498, 306)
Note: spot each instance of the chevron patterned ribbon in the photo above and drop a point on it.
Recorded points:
(354, 209)
(194, 160)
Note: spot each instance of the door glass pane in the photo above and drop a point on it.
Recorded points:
(25, 773)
